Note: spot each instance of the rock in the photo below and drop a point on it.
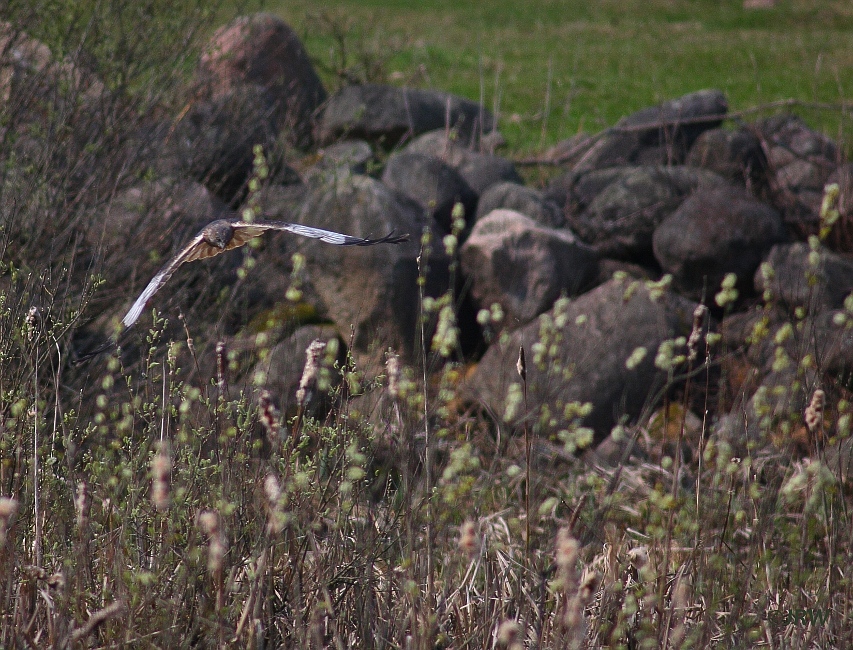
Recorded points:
(737, 331)
(803, 161)
(831, 278)
(372, 289)
(658, 135)
(608, 268)
(686, 117)
(262, 50)
(558, 189)
(214, 142)
(523, 266)
(480, 170)
(177, 209)
(440, 144)
(716, 231)
(529, 202)
(282, 202)
(622, 217)
(144, 227)
(582, 188)
(282, 370)
(162, 214)
(435, 186)
(385, 115)
(578, 352)
(29, 71)
(841, 236)
(735, 155)
(352, 155)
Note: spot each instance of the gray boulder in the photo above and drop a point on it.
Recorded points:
(386, 115)
(735, 155)
(281, 371)
(213, 143)
(339, 159)
(373, 289)
(526, 200)
(582, 188)
(577, 352)
(143, 227)
(716, 231)
(622, 218)
(802, 161)
(658, 135)
(523, 266)
(434, 185)
(480, 170)
(796, 282)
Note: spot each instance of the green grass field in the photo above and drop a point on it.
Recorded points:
(552, 68)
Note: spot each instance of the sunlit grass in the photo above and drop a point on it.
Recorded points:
(554, 68)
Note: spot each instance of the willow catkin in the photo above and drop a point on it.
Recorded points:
(161, 469)
(8, 508)
(310, 371)
(469, 540)
(210, 524)
(814, 411)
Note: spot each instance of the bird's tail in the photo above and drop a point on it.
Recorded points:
(110, 344)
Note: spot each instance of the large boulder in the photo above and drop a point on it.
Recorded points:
(387, 114)
(346, 156)
(735, 155)
(716, 231)
(281, 371)
(480, 170)
(579, 352)
(373, 289)
(434, 185)
(523, 266)
(214, 141)
(658, 135)
(622, 218)
(814, 280)
(262, 50)
(802, 161)
(526, 200)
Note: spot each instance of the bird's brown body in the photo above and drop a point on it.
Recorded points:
(218, 233)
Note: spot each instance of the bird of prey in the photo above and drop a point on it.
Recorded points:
(223, 235)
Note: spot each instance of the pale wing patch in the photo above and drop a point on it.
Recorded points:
(196, 249)
(328, 236)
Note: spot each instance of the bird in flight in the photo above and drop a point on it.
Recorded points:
(223, 235)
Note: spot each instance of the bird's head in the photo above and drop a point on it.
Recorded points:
(219, 233)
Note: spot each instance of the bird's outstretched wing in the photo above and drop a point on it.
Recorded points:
(247, 231)
(197, 249)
